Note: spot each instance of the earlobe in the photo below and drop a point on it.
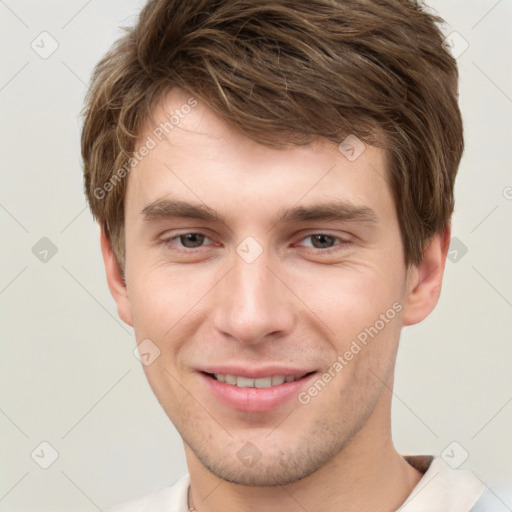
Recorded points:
(425, 279)
(115, 280)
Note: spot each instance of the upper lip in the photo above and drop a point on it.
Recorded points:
(256, 373)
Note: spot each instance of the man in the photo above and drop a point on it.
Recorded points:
(274, 182)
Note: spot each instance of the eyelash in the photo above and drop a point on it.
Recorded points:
(167, 242)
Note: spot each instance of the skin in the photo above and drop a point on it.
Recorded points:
(293, 305)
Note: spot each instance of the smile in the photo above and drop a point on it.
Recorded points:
(262, 382)
(255, 394)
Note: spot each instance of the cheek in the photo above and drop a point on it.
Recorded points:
(163, 302)
(162, 297)
(351, 298)
(361, 306)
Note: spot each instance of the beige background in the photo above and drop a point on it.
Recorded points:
(68, 376)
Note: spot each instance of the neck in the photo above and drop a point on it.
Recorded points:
(368, 474)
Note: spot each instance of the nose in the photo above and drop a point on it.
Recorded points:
(253, 304)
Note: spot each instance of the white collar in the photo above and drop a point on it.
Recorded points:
(442, 488)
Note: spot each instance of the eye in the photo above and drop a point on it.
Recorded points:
(325, 242)
(185, 241)
(321, 240)
(191, 240)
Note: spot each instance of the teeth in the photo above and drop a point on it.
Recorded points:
(264, 382)
(244, 382)
(277, 379)
(230, 379)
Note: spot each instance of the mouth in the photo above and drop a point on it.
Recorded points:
(255, 393)
(256, 382)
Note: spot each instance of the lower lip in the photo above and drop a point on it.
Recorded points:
(255, 399)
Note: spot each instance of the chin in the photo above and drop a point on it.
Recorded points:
(275, 467)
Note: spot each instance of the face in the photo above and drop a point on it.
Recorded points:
(246, 262)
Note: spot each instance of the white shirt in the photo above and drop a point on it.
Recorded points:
(442, 489)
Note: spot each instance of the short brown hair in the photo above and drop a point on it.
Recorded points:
(286, 72)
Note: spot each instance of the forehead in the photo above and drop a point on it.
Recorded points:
(194, 154)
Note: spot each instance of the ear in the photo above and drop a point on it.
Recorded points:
(115, 280)
(424, 280)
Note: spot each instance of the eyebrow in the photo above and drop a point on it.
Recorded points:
(164, 209)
